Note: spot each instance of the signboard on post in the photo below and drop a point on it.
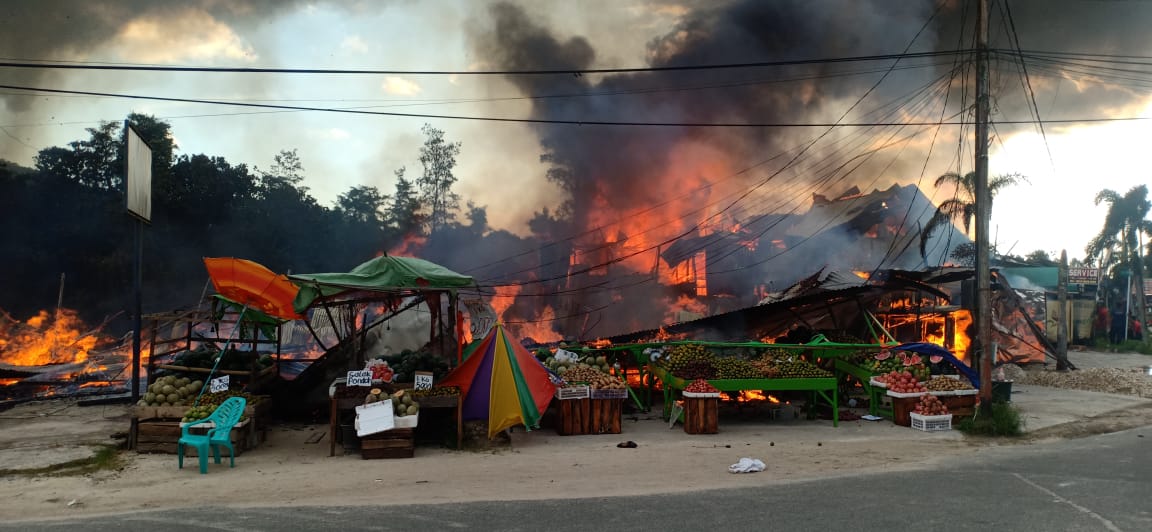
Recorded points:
(1083, 275)
(138, 177)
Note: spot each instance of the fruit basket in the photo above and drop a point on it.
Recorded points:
(931, 423)
(910, 394)
(572, 392)
(609, 393)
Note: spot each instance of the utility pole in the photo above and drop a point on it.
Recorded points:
(986, 350)
(1062, 319)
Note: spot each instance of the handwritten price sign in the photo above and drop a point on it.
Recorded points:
(360, 378)
(423, 380)
(219, 384)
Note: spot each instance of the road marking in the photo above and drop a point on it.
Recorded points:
(1107, 524)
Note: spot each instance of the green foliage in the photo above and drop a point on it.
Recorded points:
(438, 157)
(962, 206)
(1003, 419)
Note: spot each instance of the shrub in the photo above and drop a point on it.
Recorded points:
(1003, 420)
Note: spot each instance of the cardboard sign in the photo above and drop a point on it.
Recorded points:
(219, 384)
(360, 378)
(423, 380)
(481, 317)
(374, 417)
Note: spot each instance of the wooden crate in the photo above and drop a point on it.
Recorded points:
(605, 415)
(162, 437)
(575, 417)
(701, 415)
(902, 408)
(960, 405)
(395, 443)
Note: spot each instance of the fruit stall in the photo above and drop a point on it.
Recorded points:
(591, 394)
(827, 370)
(773, 369)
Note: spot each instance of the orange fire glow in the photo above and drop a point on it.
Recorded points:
(504, 298)
(6, 382)
(47, 338)
(538, 328)
(407, 247)
(685, 309)
(751, 395)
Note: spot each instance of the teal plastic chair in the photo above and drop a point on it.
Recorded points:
(224, 417)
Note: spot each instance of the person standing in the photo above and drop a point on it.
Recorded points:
(1119, 320)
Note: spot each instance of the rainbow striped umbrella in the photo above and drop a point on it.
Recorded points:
(503, 383)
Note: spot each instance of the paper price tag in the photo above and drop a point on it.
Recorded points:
(360, 378)
(219, 384)
(423, 380)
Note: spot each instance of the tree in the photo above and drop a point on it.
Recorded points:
(1124, 224)
(403, 213)
(962, 205)
(438, 157)
(91, 163)
(1039, 258)
(363, 205)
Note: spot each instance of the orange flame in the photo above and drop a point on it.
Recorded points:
(751, 395)
(407, 247)
(504, 298)
(47, 339)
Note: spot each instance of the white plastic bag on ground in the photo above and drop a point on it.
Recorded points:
(746, 465)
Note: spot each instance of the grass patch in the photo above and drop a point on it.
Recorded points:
(1128, 346)
(106, 457)
(1003, 420)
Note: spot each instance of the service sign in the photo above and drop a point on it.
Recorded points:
(360, 378)
(1083, 275)
(219, 384)
(423, 380)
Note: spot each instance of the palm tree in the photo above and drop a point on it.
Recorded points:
(1123, 225)
(962, 206)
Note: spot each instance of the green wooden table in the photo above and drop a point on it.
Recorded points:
(824, 387)
(875, 393)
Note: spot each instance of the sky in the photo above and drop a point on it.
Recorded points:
(500, 164)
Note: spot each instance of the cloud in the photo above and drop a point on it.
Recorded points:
(355, 44)
(400, 86)
(188, 35)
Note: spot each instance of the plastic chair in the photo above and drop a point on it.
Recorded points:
(224, 417)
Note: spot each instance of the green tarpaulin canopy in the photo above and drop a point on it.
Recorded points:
(381, 274)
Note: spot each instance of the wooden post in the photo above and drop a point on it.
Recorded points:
(1062, 318)
(983, 211)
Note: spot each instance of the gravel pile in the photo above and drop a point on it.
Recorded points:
(1106, 380)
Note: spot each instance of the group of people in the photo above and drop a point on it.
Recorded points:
(1115, 324)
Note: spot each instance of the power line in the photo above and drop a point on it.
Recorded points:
(557, 121)
(1028, 83)
(533, 72)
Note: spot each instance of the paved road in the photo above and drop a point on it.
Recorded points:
(1098, 483)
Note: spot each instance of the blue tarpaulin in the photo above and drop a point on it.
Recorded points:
(933, 349)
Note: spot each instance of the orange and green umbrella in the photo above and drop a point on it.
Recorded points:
(253, 285)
